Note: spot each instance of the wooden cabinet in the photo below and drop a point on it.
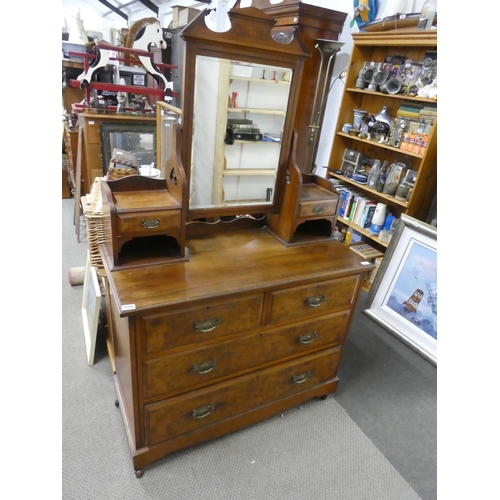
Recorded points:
(376, 47)
(244, 330)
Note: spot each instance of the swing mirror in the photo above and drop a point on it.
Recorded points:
(239, 110)
(239, 98)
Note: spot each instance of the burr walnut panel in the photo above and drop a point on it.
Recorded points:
(169, 375)
(199, 323)
(191, 411)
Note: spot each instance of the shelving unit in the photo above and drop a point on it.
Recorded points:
(374, 47)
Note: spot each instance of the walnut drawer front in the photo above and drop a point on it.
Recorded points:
(170, 375)
(324, 297)
(320, 208)
(188, 412)
(148, 222)
(197, 324)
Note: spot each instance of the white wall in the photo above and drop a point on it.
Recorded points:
(92, 15)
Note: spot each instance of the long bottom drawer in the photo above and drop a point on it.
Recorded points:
(186, 413)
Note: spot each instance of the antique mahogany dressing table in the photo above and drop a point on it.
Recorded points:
(244, 319)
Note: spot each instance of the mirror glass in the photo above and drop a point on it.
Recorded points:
(137, 138)
(239, 115)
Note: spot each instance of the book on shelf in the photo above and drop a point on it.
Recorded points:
(360, 206)
(348, 204)
(408, 114)
(355, 206)
(352, 208)
(343, 194)
(369, 216)
(366, 251)
(369, 205)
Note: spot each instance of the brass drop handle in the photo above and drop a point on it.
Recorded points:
(205, 367)
(207, 325)
(315, 301)
(300, 379)
(204, 411)
(307, 338)
(150, 224)
(318, 210)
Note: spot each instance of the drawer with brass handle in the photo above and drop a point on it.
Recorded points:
(324, 297)
(171, 374)
(146, 223)
(187, 412)
(317, 209)
(200, 323)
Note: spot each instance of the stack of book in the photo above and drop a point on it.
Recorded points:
(355, 206)
(366, 251)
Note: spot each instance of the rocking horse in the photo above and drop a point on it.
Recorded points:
(143, 34)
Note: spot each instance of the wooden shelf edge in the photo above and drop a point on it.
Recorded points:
(384, 146)
(395, 96)
(361, 230)
(364, 187)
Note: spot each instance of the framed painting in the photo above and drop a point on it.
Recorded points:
(403, 297)
(91, 305)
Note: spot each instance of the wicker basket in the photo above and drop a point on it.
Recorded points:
(94, 222)
(115, 173)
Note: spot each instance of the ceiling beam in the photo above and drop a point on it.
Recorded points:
(114, 9)
(150, 5)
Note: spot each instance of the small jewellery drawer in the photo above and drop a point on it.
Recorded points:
(145, 223)
(188, 412)
(320, 208)
(172, 374)
(197, 324)
(324, 297)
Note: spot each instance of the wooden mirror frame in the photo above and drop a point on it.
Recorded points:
(249, 39)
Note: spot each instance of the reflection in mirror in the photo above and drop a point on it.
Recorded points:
(137, 138)
(239, 114)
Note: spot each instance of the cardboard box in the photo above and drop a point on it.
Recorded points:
(183, 15)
